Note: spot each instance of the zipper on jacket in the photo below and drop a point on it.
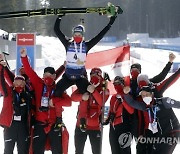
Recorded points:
(159, 126)
(171, 124)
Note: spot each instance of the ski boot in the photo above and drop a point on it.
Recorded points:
(83, 124)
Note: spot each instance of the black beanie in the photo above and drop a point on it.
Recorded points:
(118, 79)
(147, 89)
(49, 70)
(136, 65)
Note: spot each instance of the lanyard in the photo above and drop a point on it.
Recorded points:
(149, 113)
(75, 46)
(17, 97)
(45, 91)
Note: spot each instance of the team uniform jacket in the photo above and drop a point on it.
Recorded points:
(48, 117)
(7, 112)
(91, 109)
(119, 110)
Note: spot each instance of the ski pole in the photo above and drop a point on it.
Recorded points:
(104, 85)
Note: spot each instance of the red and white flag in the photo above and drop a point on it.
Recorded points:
(116, 62)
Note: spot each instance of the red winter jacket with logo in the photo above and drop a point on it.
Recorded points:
(91, 109)
(6, 89)
(48, 117)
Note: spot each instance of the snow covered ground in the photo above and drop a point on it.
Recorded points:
(152, 61)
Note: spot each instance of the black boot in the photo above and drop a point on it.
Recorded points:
(58, 124)
(83, 124)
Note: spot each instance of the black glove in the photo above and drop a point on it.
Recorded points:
(106, 122)
(112, 116)
(119, 98)
(112, 19)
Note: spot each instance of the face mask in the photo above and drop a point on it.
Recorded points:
(48, 81)
(77, 39)
(118, 88)
(95, 81)
(19, 89)
(142, 84)
(147, 100)
(134, 74)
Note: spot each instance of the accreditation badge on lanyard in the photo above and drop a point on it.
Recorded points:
(153, 125)
(17, 118)
(45, 99)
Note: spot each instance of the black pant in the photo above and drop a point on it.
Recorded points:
(163, 149)
(144, 147)
(156, 147)
(114, 134)
(16, 133)
(65, 83)
(80, 139)
(40, 137)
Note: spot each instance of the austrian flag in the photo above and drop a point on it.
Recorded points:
(116, 62)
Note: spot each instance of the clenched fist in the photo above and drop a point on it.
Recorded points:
(91, 88)
(126, 89)
(23, 52)
(3, 63)
(171, 57)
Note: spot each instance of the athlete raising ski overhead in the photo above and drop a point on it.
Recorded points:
(76, 52)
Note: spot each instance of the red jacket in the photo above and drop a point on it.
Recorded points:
(38, 84)
(117, 109)
(7, 112)
(6, 115)
(91, 109)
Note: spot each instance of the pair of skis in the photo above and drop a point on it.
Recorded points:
(109, 10)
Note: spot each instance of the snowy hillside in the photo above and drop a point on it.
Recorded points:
(152, 61)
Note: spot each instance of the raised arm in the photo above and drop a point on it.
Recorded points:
(9, 76)
(162, 75)
(59, 33)
(60, 70)
(98, 37)
(168, 82)
(4, 87)
(34, 78)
